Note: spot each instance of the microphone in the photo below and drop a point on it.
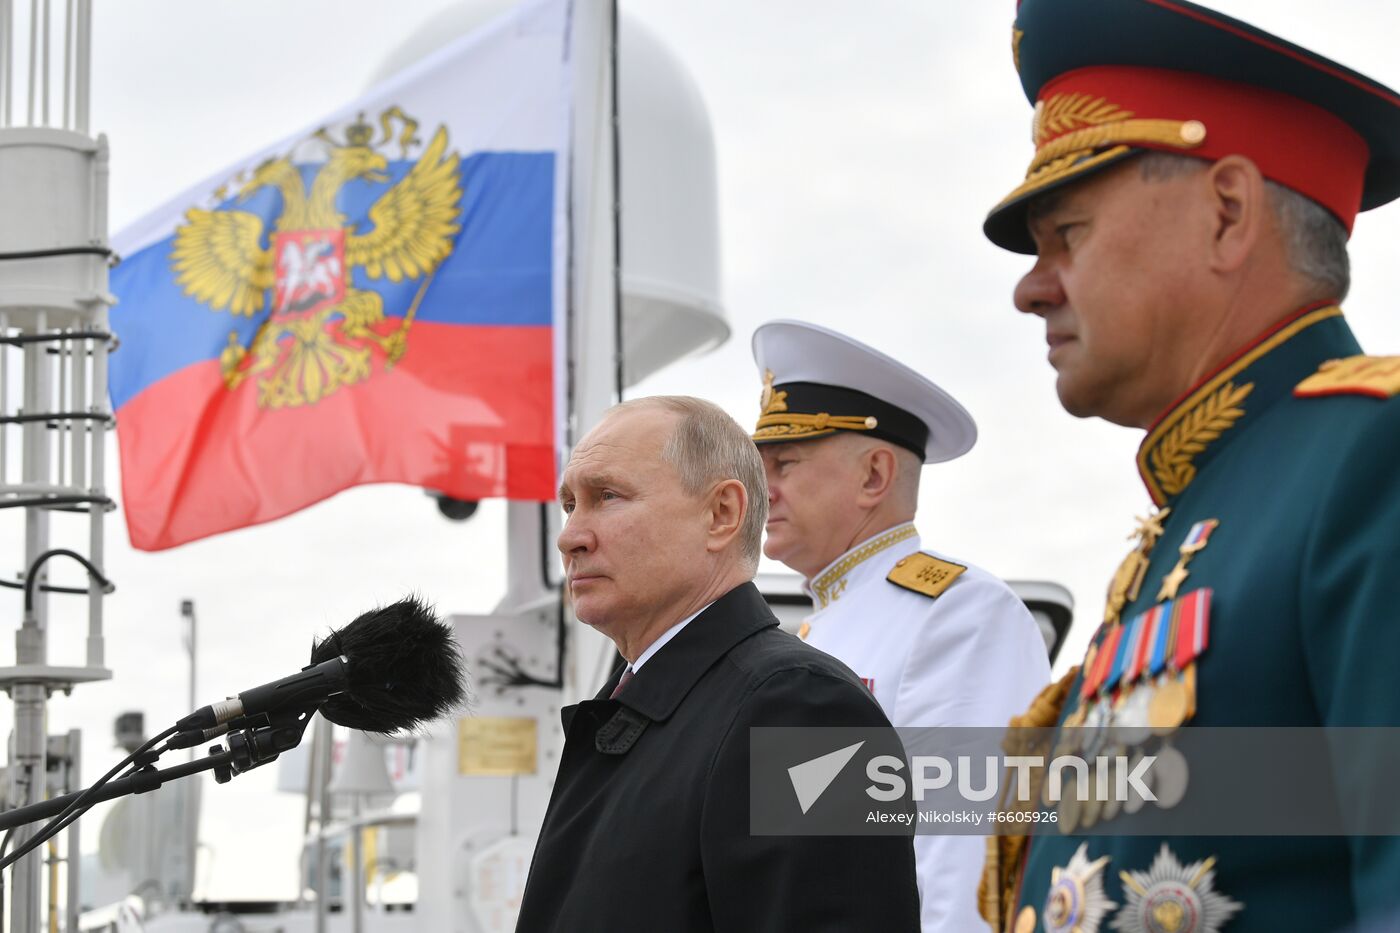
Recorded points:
(394, 668)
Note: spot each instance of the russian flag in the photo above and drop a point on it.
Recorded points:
(375, 299)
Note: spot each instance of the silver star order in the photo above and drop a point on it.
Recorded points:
(1077, 902)
(1169, 898)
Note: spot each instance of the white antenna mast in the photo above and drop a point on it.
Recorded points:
(54, 341)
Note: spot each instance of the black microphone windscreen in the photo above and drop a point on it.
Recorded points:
(405, 669)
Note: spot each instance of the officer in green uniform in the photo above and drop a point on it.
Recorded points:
(1188, 206)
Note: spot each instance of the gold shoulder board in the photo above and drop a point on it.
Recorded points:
(1377, 376)
(925, 574)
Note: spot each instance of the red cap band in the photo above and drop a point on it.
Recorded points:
(1297, 144)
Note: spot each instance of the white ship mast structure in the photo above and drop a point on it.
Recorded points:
(54, 415)
(644, 291)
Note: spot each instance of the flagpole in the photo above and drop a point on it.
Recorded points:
(619, 347)
(595, 347)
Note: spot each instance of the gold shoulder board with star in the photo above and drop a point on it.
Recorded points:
(1377, 376)
(924, 573)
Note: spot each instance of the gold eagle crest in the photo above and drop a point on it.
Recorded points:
(320, 332)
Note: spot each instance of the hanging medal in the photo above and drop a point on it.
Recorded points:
(1190, 637)
(1093, 693)
(1175, 701)
(1136, 696)
(1169, 702)
(1168, 707)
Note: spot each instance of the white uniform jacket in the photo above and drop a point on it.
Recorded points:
(971, 656)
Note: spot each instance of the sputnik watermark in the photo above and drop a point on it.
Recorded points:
(1114, 779)
(975, 781)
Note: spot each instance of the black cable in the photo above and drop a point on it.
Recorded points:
(67, 821)
(143, 761)
(19, 340)
(58, 251)
(53, 503)
(33, 575)
(53, 827)
(9, 834)
(46, 588)
(104, 417)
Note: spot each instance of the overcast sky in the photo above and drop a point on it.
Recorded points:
(859, 146)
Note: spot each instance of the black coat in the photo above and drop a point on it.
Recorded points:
(648, 825)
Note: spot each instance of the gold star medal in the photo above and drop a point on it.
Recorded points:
(1196, 540)
(1172, 898)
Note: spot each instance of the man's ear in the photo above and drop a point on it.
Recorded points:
(728, 504)
(877, 474)
(1240, 210)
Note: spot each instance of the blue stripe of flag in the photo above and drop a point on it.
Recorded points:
(499, 273)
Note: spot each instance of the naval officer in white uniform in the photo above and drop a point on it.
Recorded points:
(844, 431)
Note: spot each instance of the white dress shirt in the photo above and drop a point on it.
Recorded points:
(666, 636)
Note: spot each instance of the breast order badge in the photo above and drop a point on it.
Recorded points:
(1077, 902)
(1168, 898)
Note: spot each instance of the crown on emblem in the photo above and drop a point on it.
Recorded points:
(359, 133)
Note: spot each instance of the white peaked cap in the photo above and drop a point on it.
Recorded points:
(798, 352)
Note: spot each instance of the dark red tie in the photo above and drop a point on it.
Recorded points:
(622, 682)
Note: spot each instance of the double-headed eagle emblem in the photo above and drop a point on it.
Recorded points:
(319, 332)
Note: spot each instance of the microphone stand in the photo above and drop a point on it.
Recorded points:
(248, 747)
(147, 779)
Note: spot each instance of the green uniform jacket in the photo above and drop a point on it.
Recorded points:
(1305, 617)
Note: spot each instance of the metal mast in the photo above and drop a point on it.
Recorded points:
(54, 415)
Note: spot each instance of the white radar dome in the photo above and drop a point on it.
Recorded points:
(670, 214)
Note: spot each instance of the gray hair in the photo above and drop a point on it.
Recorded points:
(709, 447)
(905, 491)
(1315, 240)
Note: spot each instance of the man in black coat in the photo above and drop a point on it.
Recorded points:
(648, 828)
